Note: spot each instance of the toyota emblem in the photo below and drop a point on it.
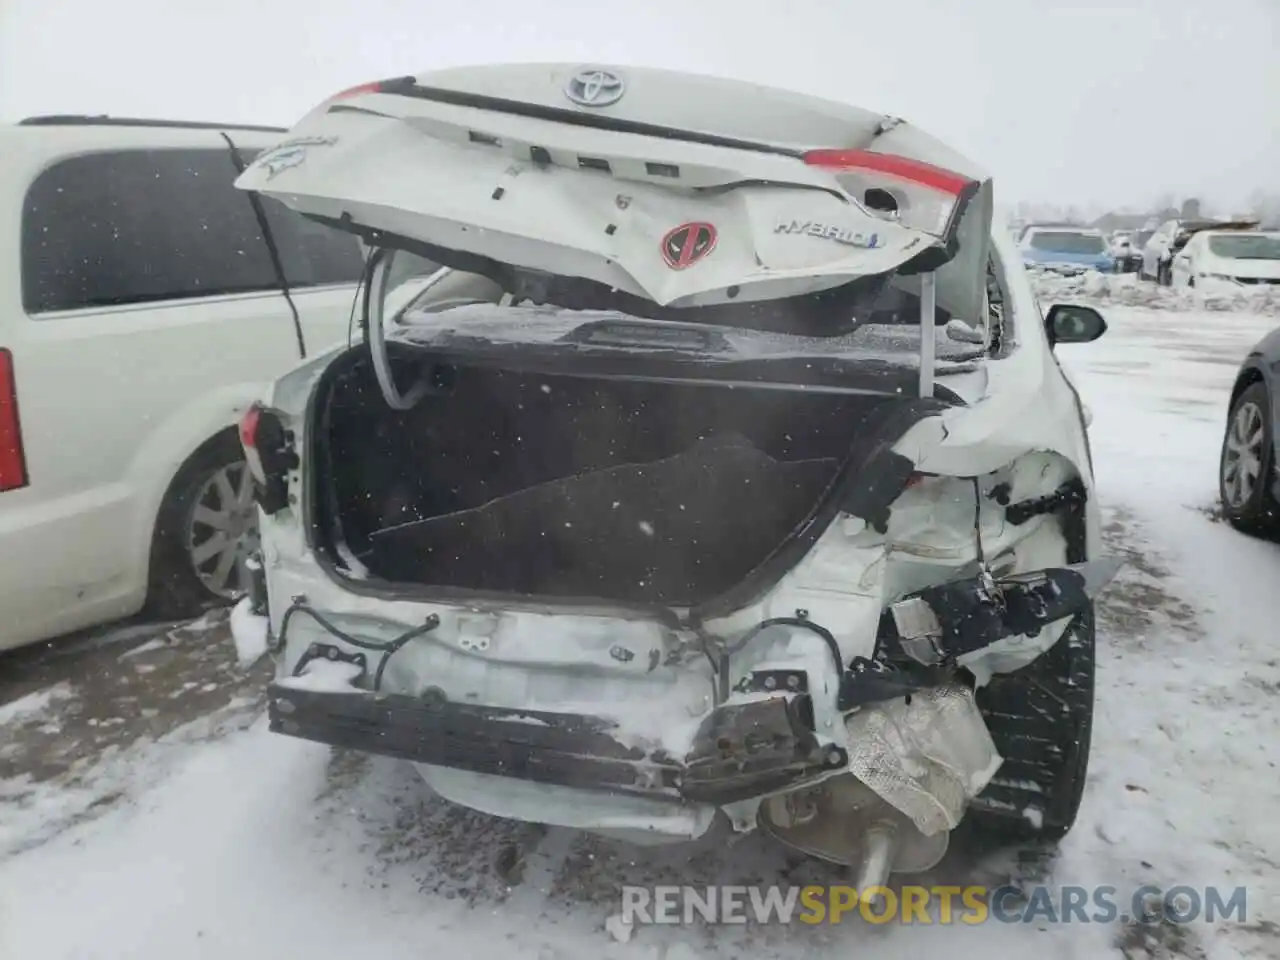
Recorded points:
(593, 87)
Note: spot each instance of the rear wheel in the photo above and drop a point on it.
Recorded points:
(1041, 719)
(1164, 274)
(205, 531)
(1246, 470)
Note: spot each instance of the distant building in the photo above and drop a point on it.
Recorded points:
(1120, 221)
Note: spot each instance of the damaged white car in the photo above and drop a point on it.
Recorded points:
(724, 469)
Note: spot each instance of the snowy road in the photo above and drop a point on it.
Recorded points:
(172, 825)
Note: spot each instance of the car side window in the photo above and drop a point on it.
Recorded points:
(139, 226)
(311, 253)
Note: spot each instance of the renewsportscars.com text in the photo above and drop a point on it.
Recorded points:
(969, 905)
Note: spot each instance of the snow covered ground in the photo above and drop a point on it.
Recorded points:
(185, 830)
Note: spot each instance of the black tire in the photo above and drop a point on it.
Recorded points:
(174, 588)
(1259, 513)
(1041, 719)
(1164, 274)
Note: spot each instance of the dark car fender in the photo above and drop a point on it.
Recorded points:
(1262, 365)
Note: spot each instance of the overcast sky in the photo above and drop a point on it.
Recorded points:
(1091, 101)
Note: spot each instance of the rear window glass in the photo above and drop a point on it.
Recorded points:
(1065, 241)
(1246, 246)
(136, 226)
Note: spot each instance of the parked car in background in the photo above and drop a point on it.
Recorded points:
(145, 303)
(1067, 250)
(1248, 478)
(1123, 250)
(1169, 239)
(1241, 258)
(1137, 244)
(1156, 255)
(1044, 225)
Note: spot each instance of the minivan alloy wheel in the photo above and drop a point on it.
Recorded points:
(222, 530)
(1242, 455)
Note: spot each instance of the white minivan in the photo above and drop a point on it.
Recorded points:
(144, 302)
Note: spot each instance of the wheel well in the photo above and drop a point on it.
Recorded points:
(161, 598)
(221, 439)
(229, 436)
(1248, 377)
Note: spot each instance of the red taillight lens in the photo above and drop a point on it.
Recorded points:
(918, 195)
(13, 462)
(356, 91)
(249, 427)
(892, 166)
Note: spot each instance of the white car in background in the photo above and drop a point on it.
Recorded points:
(142, 312)
(1242, 259)
(1169, 239)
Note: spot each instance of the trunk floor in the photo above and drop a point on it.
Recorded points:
(673, 531)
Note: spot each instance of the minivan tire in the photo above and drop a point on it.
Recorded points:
(174, 588)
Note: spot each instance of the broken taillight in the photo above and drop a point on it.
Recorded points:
(249, 427)
(13, 461)
(269, 452)
(249, 440)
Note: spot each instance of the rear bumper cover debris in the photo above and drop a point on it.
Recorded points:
(742, 750)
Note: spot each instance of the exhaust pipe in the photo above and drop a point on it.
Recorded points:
(844, 822)
(879, 849)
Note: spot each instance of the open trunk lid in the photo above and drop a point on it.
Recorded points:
(679, 190)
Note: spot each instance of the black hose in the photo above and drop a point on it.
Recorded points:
(386, 648)
(800, 622)
(273, 250)
(977, 522)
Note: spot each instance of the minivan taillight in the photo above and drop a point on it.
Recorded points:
(13, 461)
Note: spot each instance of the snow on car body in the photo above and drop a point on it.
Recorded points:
(659, 501)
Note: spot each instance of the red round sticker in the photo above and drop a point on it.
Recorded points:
(688, 243)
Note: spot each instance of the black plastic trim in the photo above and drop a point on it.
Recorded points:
(77, 120)
(597, 121)
(570, 750)
(273, 249)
